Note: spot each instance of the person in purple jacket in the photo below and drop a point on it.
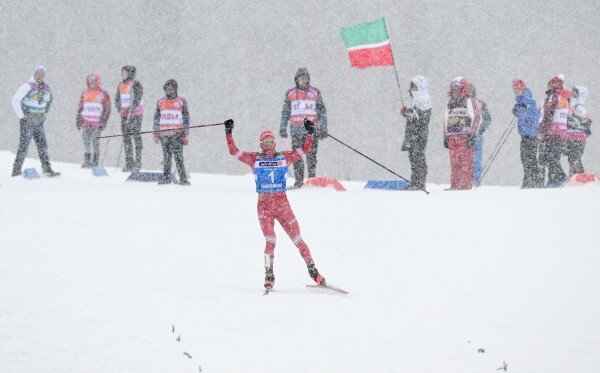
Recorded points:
(525, 110)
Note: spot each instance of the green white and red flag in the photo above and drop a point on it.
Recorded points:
(368, 44)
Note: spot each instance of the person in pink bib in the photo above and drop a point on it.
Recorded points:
(92, 116)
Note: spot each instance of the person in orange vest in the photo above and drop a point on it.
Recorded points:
(172, 126)
(130, 106)
(553, 129)
(461, 125)
(303, 101)
(92, 116)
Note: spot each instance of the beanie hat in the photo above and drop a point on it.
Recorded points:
(171, 83)
(39, 69)
(519, 84)
(556, 82)
(130, 71)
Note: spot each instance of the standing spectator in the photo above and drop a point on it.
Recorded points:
(303, 101)
(172, 121)
(130, 106)
(417, 130)
(463, 115)
(486, 120)
(578, 129)
(92, 116)
(553, 128)
(525, 110)
(31, 103)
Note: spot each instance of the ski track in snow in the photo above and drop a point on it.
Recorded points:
(95, 271)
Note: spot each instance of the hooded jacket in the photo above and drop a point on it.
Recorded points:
(417, 116)
(578, 126)
(300, 97)
(527, 114)
(133, 89)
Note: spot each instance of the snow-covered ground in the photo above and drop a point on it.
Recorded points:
(95, 272)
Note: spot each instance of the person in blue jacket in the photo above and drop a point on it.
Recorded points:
(527, 114)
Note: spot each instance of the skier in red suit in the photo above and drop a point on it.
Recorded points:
(270, 169)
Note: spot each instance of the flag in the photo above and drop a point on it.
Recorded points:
(368, 44)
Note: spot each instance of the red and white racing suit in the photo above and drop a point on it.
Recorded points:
(275, 206)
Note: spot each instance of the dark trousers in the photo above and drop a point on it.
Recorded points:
(575, 151)
(532, 177)
(418, 167)
(172, 146)
(134, 125)
(552, 150)
(32, 128)
(311, 158)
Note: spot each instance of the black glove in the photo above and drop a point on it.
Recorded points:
(446, 142)
(322, 133)
(78, 123)
(471, 141)
(310, 126)
(228, 126)
(283, 133)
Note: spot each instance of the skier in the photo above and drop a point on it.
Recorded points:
(172, 120)
(463, 115)
(92, 116)
(270, 168)
(486, 120)
(31, 103)
(554, 116)
(303, 101)
(578, 129)
(128, 101)
(525, 110)
(417, 130)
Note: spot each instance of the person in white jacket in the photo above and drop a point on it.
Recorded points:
(31, 103)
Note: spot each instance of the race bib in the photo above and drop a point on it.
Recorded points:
(270, 174)
(304, 107)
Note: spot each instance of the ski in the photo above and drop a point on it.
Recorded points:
(336, 289)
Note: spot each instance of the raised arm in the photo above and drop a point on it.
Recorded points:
(244, 157)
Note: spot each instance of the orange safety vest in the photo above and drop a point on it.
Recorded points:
(171, 114)
(92, 107)
(303, 105)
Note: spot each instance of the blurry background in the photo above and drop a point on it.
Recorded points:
(236, 59)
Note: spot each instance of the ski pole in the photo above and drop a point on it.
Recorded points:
(485, 170)
(157, 131)
(372, 160)
(498, 143)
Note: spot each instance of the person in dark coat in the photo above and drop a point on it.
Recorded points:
(525, 110)
(417, 130)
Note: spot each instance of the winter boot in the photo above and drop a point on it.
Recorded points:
(51, 173)
(315, 275)
(269, 278)
(87, 160)
(165, 181)
(16, 171)
(96, 159)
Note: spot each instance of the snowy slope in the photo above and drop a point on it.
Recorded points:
(94, 272)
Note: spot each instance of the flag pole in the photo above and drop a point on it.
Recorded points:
(395, 69)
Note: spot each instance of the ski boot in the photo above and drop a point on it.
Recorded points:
(51, 173)
(87, 160)
(165, 181)
(269, 278)
(315, 275)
